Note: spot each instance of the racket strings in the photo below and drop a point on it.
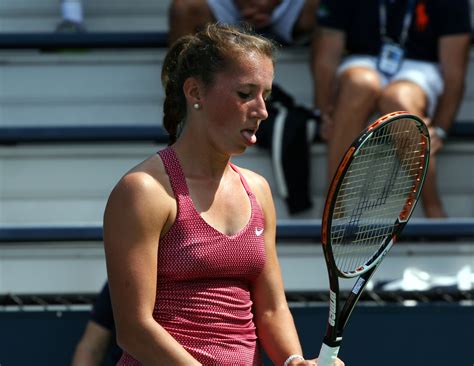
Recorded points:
(373, 192)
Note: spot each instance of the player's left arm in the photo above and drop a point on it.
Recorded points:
(275, 326)
(453, 58)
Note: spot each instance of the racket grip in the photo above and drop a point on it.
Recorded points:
(327, 355)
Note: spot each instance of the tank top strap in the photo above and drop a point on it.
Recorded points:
(243, 180)
(257, 212)
(175, 172)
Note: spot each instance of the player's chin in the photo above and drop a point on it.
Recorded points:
(242, 143)
(239, 149)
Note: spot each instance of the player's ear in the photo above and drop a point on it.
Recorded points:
(193, 90)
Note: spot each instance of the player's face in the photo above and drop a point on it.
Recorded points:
(235, 104)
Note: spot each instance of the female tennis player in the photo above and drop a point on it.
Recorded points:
(189, 237)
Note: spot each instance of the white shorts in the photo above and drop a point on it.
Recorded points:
(426, 75)
(284, 16)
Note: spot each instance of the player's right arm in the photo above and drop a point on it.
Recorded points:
(136, 215)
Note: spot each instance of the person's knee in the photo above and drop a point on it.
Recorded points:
(360, 83)
(188, 9)
(187, 17)
(403, 95)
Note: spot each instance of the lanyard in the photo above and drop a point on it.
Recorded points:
(406, 20)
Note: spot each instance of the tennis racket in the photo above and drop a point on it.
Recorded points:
(370, 199)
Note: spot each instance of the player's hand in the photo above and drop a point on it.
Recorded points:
(313, 362)
(298, 362)
(339, 362)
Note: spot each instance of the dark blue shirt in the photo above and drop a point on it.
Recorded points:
(360, 21)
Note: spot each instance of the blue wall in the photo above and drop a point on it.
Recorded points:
(389, 335)
(395, 335)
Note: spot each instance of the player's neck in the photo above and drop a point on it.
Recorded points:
(200, 160)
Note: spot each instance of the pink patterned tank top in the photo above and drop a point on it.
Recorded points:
(204, 278)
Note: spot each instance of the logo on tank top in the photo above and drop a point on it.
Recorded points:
(258, 231)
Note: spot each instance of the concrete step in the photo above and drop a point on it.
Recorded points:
(79, 267)
(120, 86)
(70, 89)
(99, 15)
(69, 184)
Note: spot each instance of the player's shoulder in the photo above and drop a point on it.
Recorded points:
(257, 182)
(146, 180)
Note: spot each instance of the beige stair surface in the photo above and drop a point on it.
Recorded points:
(79, 267)
(99, 15)
(69, 184)
(121, 86)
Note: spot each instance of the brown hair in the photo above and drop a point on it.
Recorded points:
(203, 55)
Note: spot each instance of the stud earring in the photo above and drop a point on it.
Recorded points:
(196, 106)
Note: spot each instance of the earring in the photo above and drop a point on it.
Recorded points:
(196, 106)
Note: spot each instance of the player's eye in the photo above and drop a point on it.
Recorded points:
(243, 95)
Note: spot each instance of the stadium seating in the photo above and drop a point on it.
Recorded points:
(78, 110)
(82, 108)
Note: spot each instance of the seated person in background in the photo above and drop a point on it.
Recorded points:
(287, 21)
(72, 16)
(407, 55)
(98, 339)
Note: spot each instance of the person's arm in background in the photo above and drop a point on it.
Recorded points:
(93, 345)
(326, 52)
(99, 335)
(453, 57)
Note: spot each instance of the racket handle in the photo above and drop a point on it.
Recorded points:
(327, 355)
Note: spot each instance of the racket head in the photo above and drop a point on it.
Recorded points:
(374, 192)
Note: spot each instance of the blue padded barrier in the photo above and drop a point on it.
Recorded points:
(426, 229)
(302, 230)
(90, 40)
(97, 40)
(131, 133)
(50, 134)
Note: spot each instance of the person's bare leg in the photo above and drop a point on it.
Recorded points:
(187, 17)
(358, 91)
(405, 95)
(432, 204)
(306, 23)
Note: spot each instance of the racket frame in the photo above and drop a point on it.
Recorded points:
(337, 319)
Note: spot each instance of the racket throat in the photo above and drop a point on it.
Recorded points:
(330, 342)
(333, 335)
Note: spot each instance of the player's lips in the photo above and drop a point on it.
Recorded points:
(249, 135)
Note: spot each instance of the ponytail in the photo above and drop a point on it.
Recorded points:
(174, 106)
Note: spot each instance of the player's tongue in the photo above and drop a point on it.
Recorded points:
(249, 135)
